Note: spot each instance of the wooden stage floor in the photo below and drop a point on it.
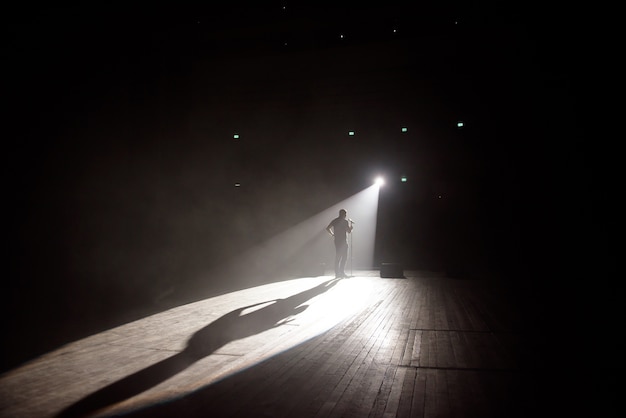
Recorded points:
(365, 346)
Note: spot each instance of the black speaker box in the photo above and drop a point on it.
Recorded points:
(391, 270)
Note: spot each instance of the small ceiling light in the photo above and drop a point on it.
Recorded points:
(379, 181)
(351, 133)
(405, 129)
(236, 136)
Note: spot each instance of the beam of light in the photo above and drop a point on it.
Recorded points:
(178, 351)
(363, 209)
(174, 353)
(305, 248)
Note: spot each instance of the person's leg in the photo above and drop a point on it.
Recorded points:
(344, 257)
(337, 259)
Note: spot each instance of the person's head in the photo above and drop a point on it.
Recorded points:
(342, 213)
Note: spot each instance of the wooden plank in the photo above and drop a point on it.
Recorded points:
(436, 401)
(459, 349)
(365, 370)
(407, 355)
(428, 350)
(440, 310)
(420, 347)
(347, 360)
(401, 355)
(444, 355)
(474, 320)
(457, 395)
(291, 379)
(455, 321)
(336, 368)
(423, 319)
(417, 355)
(405, 402)
(392, 404)
(381, 398)
(418, 399)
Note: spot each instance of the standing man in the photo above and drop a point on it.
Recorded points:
(340, 228)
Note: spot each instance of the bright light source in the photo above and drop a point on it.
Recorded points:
(237, 184)
(405, 129)
(403, 179)
(379, 181)
(351, 133)
(236, 136)
(460, 124)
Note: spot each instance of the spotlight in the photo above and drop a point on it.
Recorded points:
(403, 179)
(379, 181)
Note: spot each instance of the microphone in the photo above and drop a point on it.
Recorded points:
(351, 221)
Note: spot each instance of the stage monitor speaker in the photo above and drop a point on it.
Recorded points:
(391, 270)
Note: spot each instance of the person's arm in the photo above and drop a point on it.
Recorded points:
(350, 228)
(329, 230)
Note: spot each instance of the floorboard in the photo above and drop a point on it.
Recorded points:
(420, 346)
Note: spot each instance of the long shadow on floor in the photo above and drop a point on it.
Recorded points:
(230, 327)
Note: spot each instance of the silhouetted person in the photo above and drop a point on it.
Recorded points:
(340, 228)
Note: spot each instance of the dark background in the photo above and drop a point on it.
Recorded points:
(120, 159)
